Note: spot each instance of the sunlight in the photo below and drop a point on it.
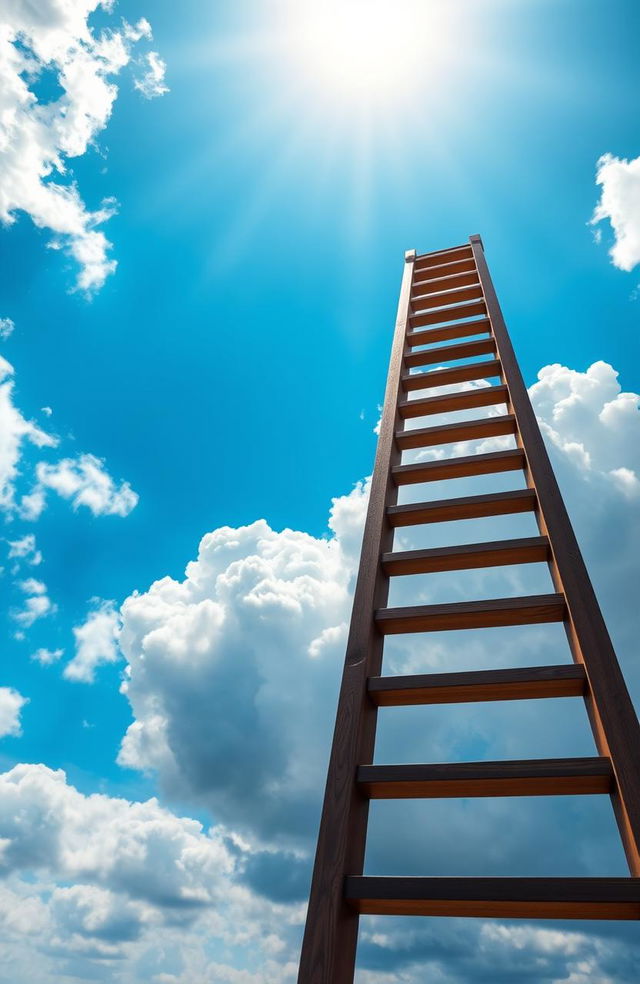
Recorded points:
(367, 52)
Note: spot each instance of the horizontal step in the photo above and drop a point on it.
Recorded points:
(495, 898)
(467, 556)
(453, 375)
(481, 326)
(431, 284)
(427, 260)
(448, 353)
(464, 507)
(532, 777)
(530, 610)
(520, 683)
(459, 467)
(438, 299)
(479, 396)
(444, 269)
(455, 313)
(463, 430)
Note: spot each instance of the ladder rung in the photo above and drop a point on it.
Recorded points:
(495, 898)
(447, 353)
(445, 269)
(442, 283)
(529, 610)
(455, 374)
(520, 683)
(439, 299)
(481, 326)
(532, 777)
(459, 467)
(464, 507)
(455, 313)
(427, 260)
(479, 396)
(468, 556)
(463, 430)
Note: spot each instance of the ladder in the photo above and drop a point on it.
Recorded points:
(448, 296)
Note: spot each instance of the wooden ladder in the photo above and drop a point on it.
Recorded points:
(448, 296)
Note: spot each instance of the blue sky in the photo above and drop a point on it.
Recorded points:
(231, 367)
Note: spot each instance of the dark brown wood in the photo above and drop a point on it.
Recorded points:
(464, 507)
(445, 269)
(479, 396)
(465, 430)
(530, 610)
(611, 712)
(481, 326)
(428, 260)
(456, 313)
(531, 777)
(454, 374)
(439, 299)
(460, 467)
(520, 683)
(450, 353)
(467, 556)
(497, 898)
(442, 283)
(329, 944)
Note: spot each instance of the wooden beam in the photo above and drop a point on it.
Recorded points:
(464, 430)
(442, 283)
(457, 313)
(464, 507)
(530, 777)
(519, 683)
(480, 396)
(481, 326)
(449, 353)
(455, 374)
(496, 898)
(529, 610)
(459, 467)
(453, 295)
(427, 260)
(468, 556)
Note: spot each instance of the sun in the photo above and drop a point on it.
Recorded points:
(366, 52)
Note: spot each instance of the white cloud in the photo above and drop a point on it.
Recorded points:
(85, 482)
(96, 642)
(47, 656)
(38, 136)
(15, 430)
(11, 703)
(6, 328)
(619, 180)
(25, 549)
(152, 82)
(36, 605)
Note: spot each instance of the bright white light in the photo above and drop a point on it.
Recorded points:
(366, 50)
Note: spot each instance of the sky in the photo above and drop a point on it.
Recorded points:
(204, 211)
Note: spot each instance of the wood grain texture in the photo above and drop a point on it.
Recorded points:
(482, 396)
(519, 683)
(465, 430)
(611, 712)
(458, 467)
(463, 507)
(510, 898)
(454, 374)
(531, 777)
(450, 353)
(435, 284)
(439, 299)
(480, 326)
(426, 261)
(467, 556)
(529, 610)
(455, 313)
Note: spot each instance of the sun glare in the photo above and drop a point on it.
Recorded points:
(366, 51)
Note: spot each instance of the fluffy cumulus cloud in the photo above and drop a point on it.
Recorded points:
(84, 481)
(619, 181)
(11, 703)
(24, 549)
(232, 675)
(57, 93)
(6, 328)
(95, 642)
(36, 604)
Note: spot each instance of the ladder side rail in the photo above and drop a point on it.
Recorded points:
(329, 945)
(611, 712)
